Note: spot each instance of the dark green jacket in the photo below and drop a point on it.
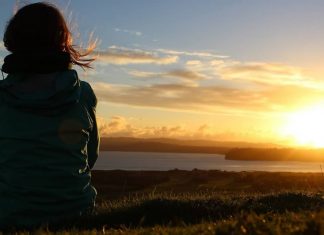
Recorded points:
(48, 144)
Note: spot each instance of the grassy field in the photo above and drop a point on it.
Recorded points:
(202, 202)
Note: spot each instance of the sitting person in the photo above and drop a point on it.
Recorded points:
(48, 133)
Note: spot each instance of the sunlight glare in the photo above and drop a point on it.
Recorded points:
(306, 126)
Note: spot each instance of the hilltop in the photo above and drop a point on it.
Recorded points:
(174, 145)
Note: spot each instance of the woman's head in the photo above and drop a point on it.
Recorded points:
(41, 28)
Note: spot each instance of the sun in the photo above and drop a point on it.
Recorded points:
(306, 126)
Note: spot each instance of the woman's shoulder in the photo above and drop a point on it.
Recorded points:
(87, 94)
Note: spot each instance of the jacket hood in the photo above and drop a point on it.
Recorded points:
(37, 92)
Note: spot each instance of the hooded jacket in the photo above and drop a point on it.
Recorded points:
(48, 145)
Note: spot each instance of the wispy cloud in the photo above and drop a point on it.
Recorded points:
(131, 32)
(123, 56)
(191, 53)
(252, 72)
(204, 65)
(208, 68)
(207, 83)
(209, 98)
(144, 74)
(186, 74)
(273, 73)
(181, 74)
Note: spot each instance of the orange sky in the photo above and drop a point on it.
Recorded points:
(223, 70)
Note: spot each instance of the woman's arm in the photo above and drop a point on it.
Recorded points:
(94, 139)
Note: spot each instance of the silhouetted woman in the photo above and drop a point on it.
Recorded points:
(48, 132)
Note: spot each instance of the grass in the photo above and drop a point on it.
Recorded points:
(201, 202)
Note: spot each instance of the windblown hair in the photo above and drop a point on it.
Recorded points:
(41, 28)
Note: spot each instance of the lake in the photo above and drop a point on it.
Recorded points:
(112, 160)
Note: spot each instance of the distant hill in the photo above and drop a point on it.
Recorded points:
(172, 145)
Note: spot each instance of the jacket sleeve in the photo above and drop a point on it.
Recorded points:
(94, 141)
(94, 138)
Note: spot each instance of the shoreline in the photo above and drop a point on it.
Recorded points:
(111, 160)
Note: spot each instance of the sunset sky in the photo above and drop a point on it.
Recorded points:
(229, 70)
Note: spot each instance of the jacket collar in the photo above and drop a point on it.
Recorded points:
(40, 63)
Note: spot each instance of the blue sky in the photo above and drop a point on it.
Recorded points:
(214, 69)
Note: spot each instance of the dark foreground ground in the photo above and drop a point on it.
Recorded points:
(202, 202)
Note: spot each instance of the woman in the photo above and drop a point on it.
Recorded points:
(48, 132)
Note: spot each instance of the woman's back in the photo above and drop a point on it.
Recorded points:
(48, 132)
(48, 144)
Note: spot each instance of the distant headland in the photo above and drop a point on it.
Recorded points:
(275, 154)
(242, 151)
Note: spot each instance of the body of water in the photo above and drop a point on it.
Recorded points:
(112, 160)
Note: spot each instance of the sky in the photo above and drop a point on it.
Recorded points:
(227, 70)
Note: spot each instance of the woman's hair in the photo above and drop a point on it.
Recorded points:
(39, 28)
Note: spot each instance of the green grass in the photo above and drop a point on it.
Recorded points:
(201, 202)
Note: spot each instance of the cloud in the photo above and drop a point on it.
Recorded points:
(208, 83)
(206, 65)
(121, 126)
(131, 32)
(194, 63)
(118, 126)
(211, 99)
(272, 73)
(217, 63)
(252, 73)
(123, 56)
(185, 74)
(182, 74)
(144, 74)
(191, 53)
(207, 68)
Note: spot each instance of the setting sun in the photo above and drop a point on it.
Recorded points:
(247, 79)
(306, 126)
(162, 117)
